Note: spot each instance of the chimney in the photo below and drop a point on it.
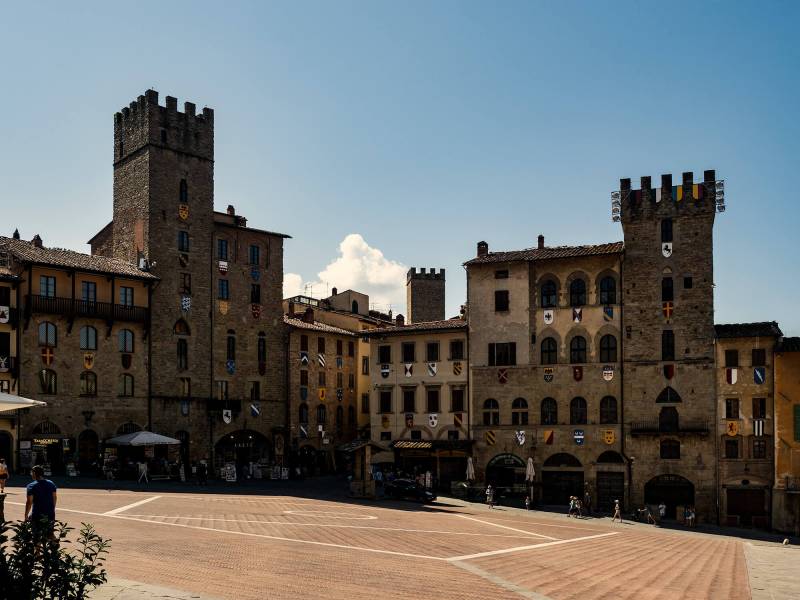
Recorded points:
(37, 241)
(16, 234)
(231, 210)
(399, 320)
(334, 291)
(290, 312)
(308, 315)
(483, 249)
(540, 243)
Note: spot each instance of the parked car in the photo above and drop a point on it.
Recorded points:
(405, 489)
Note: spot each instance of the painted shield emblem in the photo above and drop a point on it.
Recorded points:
(223, 267)
(186, 303)
(185, 407)
(577, 315)
(549, 317)
(255, 273)
(227, 416)
(759, 375)
(5, 311)
(255, 309)
(384, 371)
(126, 361)
(669, 371)
(667, 308)
(303, 393)
(502, 375)
(4, 360)
(579, 436)
(549, 435)
(732, 428)
(47, 356)
(385, 421)
(490, 437)
(608, 313)
(520, 436)
(548, 374)
(731, 375)
(408, 369)
(433, 420)
(223, 307)
(303, 357)
(456, 368)
(88, 360)
(608, 372)
(432, 368)
(255, 409)
(183, 259)
(666, 249)
(458, 419)
(230, 367)
(577, 373)
(409, 420)
(262, 367)
(321, 393)
(303, 430)
(609, 436)
(183, 211)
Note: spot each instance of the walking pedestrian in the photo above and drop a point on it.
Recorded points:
(572, 506)
(587, 501)
(617, 512)
(490, 495)
(662, 511)
(527, 503)
(40, 505)
(650, 518)
(3, 475)
(202, 473)
(578, 508)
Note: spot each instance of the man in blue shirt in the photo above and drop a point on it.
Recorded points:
(42, 497)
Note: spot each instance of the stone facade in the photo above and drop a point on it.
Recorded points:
(425, 299)
(9, 366)
(786, 495)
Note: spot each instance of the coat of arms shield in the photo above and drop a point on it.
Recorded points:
(433, 420)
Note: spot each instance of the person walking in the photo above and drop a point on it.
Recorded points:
(527, 502)
(572, 506)
(662, 512)
(617, 512)
(587, 501)
(490, 496)
(40, 505)
(3, 475)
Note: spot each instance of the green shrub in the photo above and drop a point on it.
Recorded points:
(37, 562)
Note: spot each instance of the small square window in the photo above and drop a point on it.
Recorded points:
(452, 435)
(502, 274)
(501, 301)
(687, 283)
(416, 434)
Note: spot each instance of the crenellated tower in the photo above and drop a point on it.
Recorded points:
(425, 295)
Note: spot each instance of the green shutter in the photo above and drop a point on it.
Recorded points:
(797, 422)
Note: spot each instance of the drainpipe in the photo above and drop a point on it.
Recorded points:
(623, 333)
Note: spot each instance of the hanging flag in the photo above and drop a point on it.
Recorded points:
(5, 313)
(186, 303)
(230, 366)
(758, 427)
(669, 371)
(88, 360)
(223, 267)
(385, 421)
(303, 430)
(520, 435)
(490, 437)
(255, 309)
(548, 437)
(47, 355)
(732, 428)
(579, 436)
(433, 420)
(223, 307)
(409, 420)
(759, 375)
(458, 419)
(432, 368)
(255, 409)
(339, 362)
(183, 211)
(408, 369)
(658, 195)
(303, 357)
(321, 359)
(577, 315)
(731, 375)
(321, 393)
(456, 368)
(666, 249)
(608, 313)
(696, 191)
(608, 372)
(609, 436)
(677, 193)
(339, 394)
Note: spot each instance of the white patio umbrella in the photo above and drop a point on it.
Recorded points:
(530, 472)
(9, 402)
(470, 470)
(142, 438)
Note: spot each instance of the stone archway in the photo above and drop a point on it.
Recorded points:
(672, 490)
(562, 477)
(241, 448)
(88, 452)
(506, 471)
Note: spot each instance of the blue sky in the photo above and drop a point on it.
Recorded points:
(422, 127)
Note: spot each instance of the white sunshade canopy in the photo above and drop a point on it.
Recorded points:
(9, 402)
(142, 438)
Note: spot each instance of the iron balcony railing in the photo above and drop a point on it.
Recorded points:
(655, 427)
(83, 308)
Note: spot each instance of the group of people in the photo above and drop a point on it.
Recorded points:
(575, 507)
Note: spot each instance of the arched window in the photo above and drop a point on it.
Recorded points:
(125, 340)
(304, 413)
(354, 307)
(668, 419)
(88, 338)
(577, 292)
(181, 327)
(47, 427)
(491, 412)
(262, 347)
(339, 418)
(183, 354)
(667, 345)
(608, 290)
(48, 334)
(577, 411)
(48, 381)
(549, 411)
(231, 345)
(128, 427)
(126, 385)
(322, 414)
(666, 230)
(183, 192)
(549, 351)
(608, 410)
(577, 349)
(608, 349)
(519, 412)
(670, 449)
(611, 457)
(88, 384)
(549, 293)
(668, 395)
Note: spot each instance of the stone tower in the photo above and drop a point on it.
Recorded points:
(668, 341)
(163, 220)
(425, 295)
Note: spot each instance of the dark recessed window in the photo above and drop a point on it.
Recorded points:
(608, 349)
(549, 411)
(577, 349)
(731, 358)
(384, 354)
(548, 294)
(687, 283)
(667, 292)
(502, 354)
(667, 345)
(577, 293)
(608, 290)
(759, 357)
(502, 274)
(408, 351)
(666, 230)
(183, 241)
(457, 350)
(549, 351)
(731, 408)
(501, 301)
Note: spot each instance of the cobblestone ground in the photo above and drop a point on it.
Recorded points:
(286, 546)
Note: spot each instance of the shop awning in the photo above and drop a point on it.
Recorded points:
(142, 438)
(9, 402)
(412, 445)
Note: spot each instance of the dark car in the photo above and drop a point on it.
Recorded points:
(405, 489)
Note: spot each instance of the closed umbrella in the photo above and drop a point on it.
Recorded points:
(470, 470)
(530, 472)
(9, 402)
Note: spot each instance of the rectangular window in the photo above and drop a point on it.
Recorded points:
(186, 283)
(88, 291)
(759, 408)
(340, 380)
(47, 286)
(457, 400)
(759, 448)
(222, 390)
(5, 345)
(365, 365)
(183, 241)
(408, 350)
(183, 354)
(731, 448)
(731, 358)
(351, 381)
(321, 378)
(452, 435)
(667, 345)
(667, 292)
(339, 347)
(186, 387)
(255, 293)
(303, 377)
(304, 343)
(254, 255)
(365, 404)
(222, 249)
(502, 354)
(223, 291)
(416, 434)
(666, 230)
(409, 400)
(126, 296)
(432, 351)
(501, 301)
(386, 436)
(5, 295)
(501, 274)
(687, 283)
(255, 391)
(386, 401)
(433, 400)
(384, 354)
(321, 345)
(759, 357)
(457, 350)
(351, 349)
(731, 408)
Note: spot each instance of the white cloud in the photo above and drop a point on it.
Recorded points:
(359, 267)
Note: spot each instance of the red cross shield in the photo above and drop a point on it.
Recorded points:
(502, 375)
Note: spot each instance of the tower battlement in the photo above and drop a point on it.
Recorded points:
(685, 198)
(145, 122)
(423, 274)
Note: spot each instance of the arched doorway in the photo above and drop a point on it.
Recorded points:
(49, 447)
(7, 449)
(307, 457)
(610, 480)
(506, 471)
(241, 448)
(673, 490)
(562, 477)
(88, 452)
(183, 437)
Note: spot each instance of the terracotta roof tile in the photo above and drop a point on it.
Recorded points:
(315, 326)
(446, 325)
(548, 253)
(744, 330)
(789, 344)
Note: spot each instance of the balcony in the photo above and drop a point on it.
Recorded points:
(655, 427)
(92, 310)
